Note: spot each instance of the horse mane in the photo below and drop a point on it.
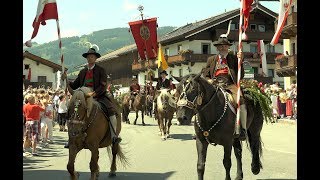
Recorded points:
(80, 94)
(165, 93)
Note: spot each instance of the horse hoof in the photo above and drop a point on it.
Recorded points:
(143, 124)
(255, 170)
(112, 175)
(163, 138)
(238, 178)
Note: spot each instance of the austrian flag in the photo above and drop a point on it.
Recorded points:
(47, 9)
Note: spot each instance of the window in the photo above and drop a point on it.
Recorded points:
(179, 48)
(271, 72)
(255, 70)
(166, 51)
(24, 76)
(253, 48)
(253, 27)
(270, 48)
(42, 79)
(262, 28)
(233, 27)
(251, 16)
(293, 48)
(205, 48)
(180, 72)
(237, 26)
(145, 77)
(26, 66)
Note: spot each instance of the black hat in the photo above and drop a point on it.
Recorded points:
(91, 51)
(222, 41)
(164, 72)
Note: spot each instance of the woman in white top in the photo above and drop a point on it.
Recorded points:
(62, 112)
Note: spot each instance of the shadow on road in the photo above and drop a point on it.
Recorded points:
(64, 175)
(276, 179)
(183, 137)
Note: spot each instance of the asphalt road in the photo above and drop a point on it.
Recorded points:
(174, 159)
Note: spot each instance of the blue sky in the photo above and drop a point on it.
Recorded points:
(78, 17)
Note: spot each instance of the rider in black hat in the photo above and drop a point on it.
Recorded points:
(95, 77)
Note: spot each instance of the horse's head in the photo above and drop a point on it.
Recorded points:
(79, 108)
(165, 99)
(191, 96)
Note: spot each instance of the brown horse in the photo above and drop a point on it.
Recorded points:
(88, 128)
(149, 105)
(138, 105)
(166, 107)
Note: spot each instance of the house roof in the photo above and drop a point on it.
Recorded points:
(188, 30)
(194, 28)
(117, 52)
(33, 57)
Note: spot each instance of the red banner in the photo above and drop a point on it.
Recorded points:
(145, 35)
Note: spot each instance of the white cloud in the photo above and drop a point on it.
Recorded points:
(127, 6)
(86, 16)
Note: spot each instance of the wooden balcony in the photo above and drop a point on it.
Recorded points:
(290, 27)
(286, 66)
(172, 60)
(254, 57)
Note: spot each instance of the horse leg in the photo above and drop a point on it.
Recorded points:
(162, 128)
(94, 167)
(73, 151)
(168, 130)
(113, 167)
(256, 150)
(238, 153)
(135, 121)
(202, 155)
(142, 116)
(227, 160)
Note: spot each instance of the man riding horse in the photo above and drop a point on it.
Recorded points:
(134, 90)
(95, 77)
(223, 68)
(162, 83)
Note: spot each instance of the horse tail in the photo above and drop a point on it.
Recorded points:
(256, 151)
(120, 155)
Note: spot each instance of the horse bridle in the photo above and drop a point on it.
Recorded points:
(185, 102)
(75, 116)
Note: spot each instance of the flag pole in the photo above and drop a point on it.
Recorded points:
(237, 129)
(61, 58)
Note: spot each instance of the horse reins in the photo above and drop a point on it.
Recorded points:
(191, 105)
(76, 115)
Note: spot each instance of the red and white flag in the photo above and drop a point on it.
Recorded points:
(263, 58)
(47, 9)
(246, 7)
(29, 74)
(283, 14)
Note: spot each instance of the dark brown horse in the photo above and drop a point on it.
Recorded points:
(88, 128)
(216, 123)
(166, 107)
(138, 105)
(149, 105)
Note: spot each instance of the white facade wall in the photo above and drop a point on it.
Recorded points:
(39, 70)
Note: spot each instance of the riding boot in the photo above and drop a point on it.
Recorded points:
(113, 130)
(243, 120)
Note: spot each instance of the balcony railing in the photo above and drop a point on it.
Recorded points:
(286, 66)
(290, 27)
(190, 57)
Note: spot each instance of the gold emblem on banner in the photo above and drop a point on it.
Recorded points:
(144, 32)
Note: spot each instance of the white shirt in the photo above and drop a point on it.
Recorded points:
(62, 107)
(91, 67)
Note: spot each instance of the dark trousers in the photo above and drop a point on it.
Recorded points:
(107, 105)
